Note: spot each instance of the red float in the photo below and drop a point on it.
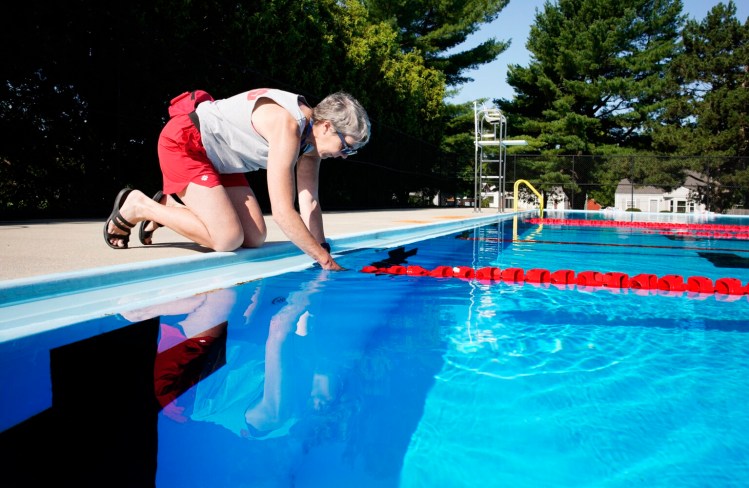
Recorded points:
(671, 283)
(616, 280)
(590, 278)
(700, 284)
(515, 275)
(563, 277)
(416, 271)
(729, 289)
(538, 275)
(729, 286)
(489, 273)
(644, 281)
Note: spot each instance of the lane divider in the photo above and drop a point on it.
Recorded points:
(604, 244)
(644, 283)
(718, 231)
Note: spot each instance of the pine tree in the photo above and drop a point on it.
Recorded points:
(594, 84)
(432, 28)
(711, 115)
(596, 76)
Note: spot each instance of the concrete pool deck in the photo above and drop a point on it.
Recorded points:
(35, 248)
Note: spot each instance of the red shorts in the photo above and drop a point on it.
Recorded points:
(180, 366)
(183, 159)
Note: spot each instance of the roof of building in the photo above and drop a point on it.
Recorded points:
(693, 179)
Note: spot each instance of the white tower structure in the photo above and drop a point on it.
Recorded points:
(490, 141)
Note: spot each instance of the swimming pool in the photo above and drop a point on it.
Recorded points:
(384, 378)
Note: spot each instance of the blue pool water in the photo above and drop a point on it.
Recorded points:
(380, 380)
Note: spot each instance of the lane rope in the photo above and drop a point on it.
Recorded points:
(602, 244)
(715, 231)
(699, 287)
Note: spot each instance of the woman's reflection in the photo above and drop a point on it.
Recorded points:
(192, 345)
(254, 370)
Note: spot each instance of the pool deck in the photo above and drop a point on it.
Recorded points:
(34, 248)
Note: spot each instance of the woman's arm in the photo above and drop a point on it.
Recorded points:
(279, 128)
(308, 181)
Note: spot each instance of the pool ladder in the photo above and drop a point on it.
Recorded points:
(515, 206)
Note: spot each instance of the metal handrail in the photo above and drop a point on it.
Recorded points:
(540, 197)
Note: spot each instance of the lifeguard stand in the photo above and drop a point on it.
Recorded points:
(490, 129)
(491, 143)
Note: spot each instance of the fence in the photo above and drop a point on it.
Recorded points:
(648, 183)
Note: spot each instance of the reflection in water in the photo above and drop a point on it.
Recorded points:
(252, 371)
(191, 345)
(318, 384)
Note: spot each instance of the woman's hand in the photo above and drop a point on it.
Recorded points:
(331, 265)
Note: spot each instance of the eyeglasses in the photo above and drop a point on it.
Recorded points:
(345, 148)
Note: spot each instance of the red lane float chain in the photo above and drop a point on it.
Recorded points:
(666, 228)
(643, 282)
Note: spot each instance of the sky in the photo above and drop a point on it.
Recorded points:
(514, 22)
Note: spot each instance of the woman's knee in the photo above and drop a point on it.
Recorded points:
(231, 239)
(255, 239)
(227, 241)
(226, 245)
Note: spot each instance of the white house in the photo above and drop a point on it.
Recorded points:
(654, 199)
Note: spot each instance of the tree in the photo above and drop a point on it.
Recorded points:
(404, 98)
(457, 160)
(710, 115)
(87, 86)
(431, 28)
(86, 92)
(596, 78)
(596, 74)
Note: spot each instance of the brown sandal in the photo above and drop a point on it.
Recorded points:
(119, 221)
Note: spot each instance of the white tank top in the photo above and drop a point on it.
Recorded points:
(231, 142)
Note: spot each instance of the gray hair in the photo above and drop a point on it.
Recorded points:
(346, 114)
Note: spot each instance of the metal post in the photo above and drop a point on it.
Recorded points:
(476, 157)
(502, 164)
(632, 181)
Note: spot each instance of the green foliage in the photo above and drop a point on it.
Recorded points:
(596, 75)
(611, 78)
(85, 99)
(87, 86)
(432, 28)
(457, 161)
(710, 114)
